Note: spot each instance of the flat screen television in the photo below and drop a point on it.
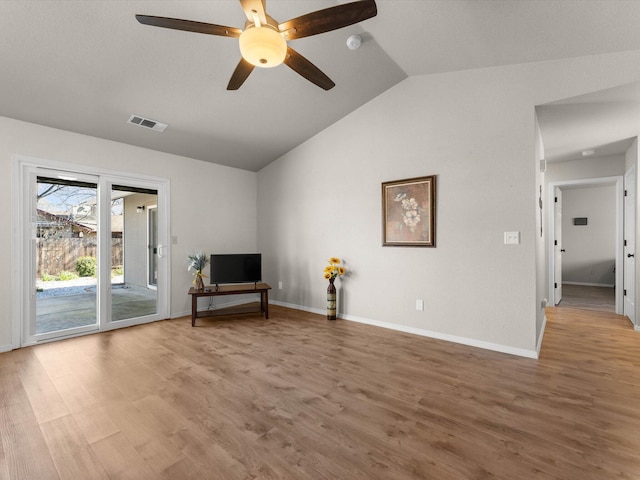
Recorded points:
(236, 268)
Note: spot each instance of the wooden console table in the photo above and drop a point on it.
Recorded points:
(210, 291)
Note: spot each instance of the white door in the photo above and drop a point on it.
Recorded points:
(630, 244)
(557, 247)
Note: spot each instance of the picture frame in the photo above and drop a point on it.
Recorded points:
(408, 212)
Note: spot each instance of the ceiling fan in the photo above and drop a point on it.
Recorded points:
(263, 42)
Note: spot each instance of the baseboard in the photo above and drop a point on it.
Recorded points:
(636, 328)
(496, 347)
(583, 284)
(319, 311)
(539, 345)
(6, 348)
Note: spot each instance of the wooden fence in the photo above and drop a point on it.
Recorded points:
(57, 254)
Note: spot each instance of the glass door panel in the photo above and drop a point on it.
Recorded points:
(132, 296)
(66, 242)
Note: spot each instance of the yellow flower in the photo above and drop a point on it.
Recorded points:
(334, 269)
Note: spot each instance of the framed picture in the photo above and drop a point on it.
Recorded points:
(408, 212)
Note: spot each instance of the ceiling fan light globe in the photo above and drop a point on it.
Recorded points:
(263, 46)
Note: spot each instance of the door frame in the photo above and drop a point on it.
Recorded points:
(631, 173)
(22, 232)
(618, 182)
(148, 226)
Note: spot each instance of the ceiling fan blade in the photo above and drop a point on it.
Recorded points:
(329, 19)
(257, 6)
(189, 26)
(308, 70)
(240, 74)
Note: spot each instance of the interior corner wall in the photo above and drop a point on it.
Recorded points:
(200, 216)
(475, 131)
(631, 156)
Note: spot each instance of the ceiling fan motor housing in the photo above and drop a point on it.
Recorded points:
(262, 46)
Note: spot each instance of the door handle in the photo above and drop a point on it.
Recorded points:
(630, 255)
(562, 249)
(161, 251)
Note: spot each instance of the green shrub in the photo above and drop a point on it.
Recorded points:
(87, 266)
(65, 275)
(48, 278)
(115, 271)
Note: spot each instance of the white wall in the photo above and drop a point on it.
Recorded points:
(201, 195)
(631, 156)
(540, 238)
(475, 131)
(590, 250)
(598, 167)
(135, 238)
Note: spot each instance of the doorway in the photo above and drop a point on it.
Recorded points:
(613, 267)
(74, 229)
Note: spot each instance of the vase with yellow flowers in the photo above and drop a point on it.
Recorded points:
(331, 272)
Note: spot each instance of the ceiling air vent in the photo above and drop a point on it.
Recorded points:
(147, 123)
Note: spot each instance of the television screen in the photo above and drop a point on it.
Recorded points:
(236, 268)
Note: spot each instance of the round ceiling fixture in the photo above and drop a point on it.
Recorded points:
(263, 46)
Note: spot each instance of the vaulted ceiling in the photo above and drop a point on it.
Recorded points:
(86, 66)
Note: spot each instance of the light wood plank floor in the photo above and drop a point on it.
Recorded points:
(299, 397)
(589, 298)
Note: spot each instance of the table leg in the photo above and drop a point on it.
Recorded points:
(194, 309)
(265, 299)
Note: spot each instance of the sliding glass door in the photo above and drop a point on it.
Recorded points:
(131, 294)
(66, 244)
(94, 252)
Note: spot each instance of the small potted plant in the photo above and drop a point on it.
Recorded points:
(197, 262)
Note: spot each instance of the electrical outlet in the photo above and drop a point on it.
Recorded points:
(279, 285)
(420, 305)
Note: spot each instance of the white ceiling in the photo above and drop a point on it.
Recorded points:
(86, 66)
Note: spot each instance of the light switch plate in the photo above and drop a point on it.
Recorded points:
(512, 238)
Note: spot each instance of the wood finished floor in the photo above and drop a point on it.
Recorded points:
(299, 397)
(589, 298)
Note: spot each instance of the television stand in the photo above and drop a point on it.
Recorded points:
(218, 290)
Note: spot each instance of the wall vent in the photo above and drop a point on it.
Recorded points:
(147, 123)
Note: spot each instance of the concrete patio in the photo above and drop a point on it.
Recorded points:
(70, 304)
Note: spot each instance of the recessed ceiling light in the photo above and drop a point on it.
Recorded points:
(588, 153)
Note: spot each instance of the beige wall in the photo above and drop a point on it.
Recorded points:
(200, 194)
(476, 131)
